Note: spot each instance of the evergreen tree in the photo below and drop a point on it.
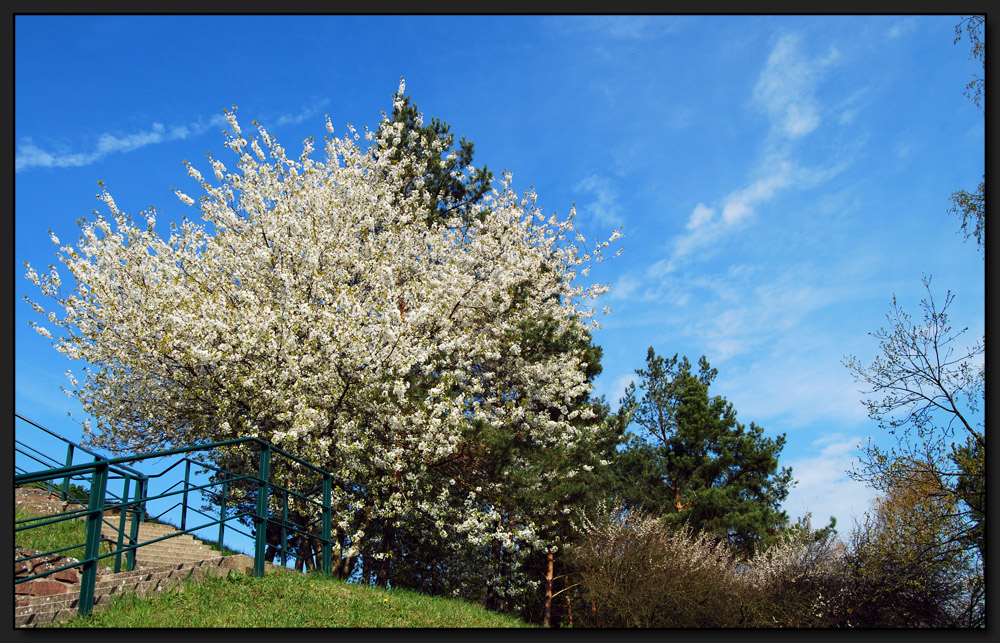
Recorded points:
(448, 191)
(490, 454)
(692, 462)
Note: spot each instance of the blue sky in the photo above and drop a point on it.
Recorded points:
(777, 178)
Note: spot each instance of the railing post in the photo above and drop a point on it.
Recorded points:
(144, 486)
(122, 516)
(95, 509)
(284, 528)
(261, 519)
(137, 509)
(184, 502)
(327, 540)
(222, 508)
(69, 463)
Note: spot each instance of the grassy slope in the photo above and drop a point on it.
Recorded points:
(291, 600)
(288, 600)
(56, 536)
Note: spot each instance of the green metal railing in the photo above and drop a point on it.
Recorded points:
(127, 474)
(99, 472)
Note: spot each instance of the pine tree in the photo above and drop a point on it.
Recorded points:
(692, 462)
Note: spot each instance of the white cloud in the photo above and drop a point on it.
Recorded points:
(786, 87)
(624, 288)
(786, 90)
(108, 143)
(29, 155)
(701, 215)
(800, 120)
(614, 389)
(736, 211)
(704, 229)
(295, 119)
(824, 488)
(658, 269)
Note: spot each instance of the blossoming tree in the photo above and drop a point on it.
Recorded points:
(317, 307)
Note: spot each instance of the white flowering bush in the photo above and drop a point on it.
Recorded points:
(314, 305)
(634, 570)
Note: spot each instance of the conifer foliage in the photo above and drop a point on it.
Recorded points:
(692, 462)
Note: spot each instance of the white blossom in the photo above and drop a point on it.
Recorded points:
(299, 310)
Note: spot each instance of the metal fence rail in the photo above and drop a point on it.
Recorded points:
(135, 498)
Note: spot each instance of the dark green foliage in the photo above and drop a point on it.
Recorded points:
(692, 462)
(448, 195)
(514, 474)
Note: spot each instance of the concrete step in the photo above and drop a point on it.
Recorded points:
(150, 531)
(159, 565)
(167, 550)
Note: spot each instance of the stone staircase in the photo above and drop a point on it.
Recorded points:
(159, 565)
(181, 548)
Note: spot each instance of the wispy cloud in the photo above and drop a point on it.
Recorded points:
(902, 27)
(706, 225)
(30, 155)
(848, 108)
(295, 119)
(614, 389)
(786, 87)
(604, 208)
(786, 92)
(744, 311)
(824, 488)
(621, 27)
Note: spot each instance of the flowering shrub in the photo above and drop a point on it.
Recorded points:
(637, 571)
(317, 307)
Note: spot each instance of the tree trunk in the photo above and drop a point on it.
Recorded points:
(388, 542)
(306, 553)
(366, 567)
(492, 596)
(549, 568)
(569, 610)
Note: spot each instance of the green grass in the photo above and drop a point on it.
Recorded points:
(56, 536)
(290, 600)
(279, 600)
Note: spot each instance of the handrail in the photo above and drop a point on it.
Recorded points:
(100, 472)
(61, 471)
(79, 447)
